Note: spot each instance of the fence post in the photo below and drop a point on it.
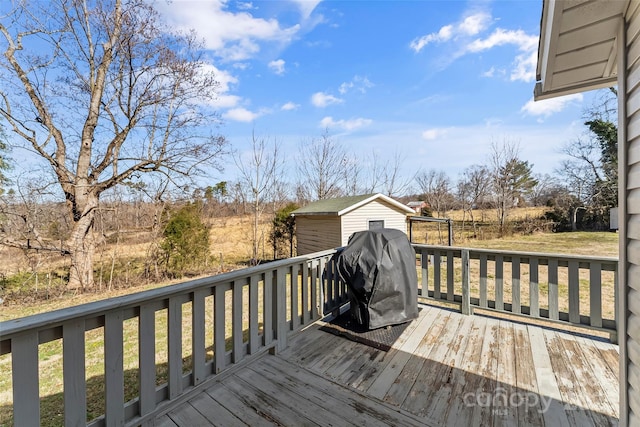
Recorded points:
(466, 292)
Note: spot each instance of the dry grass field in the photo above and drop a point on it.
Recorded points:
(230, 239)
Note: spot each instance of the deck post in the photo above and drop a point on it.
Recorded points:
(466, 292)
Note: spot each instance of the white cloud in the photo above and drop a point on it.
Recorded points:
(434, 133)
(277, 66)
(524, 63)
(361, 84)
(241, 115)
(225, 82)
(489, 73)
(348, 125)
(245, 5)
(226, 101)
(548, 107)
(443, 35)
(233, 36)
(306, 6)
(525, 68)
(321, 99)
(474, 24)
(289, 106)
(469, 26)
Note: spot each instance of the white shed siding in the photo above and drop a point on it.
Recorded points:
(358, 219)
(630, 221)
(317, 233)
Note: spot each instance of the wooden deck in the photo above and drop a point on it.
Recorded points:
(446, 369)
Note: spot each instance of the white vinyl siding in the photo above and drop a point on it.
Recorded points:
(630, 205)
(358, 219)
(317, 233)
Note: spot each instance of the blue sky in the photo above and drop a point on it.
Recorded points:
(435, 81)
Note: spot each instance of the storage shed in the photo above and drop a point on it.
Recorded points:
(327, 224)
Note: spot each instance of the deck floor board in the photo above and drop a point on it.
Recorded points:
(446, 369)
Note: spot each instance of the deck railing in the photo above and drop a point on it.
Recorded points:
(579, 290)
(184, 334)
(203, 326)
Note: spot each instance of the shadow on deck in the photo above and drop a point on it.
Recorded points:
(445, 369)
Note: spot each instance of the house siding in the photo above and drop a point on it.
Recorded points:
(358, 219)
(630, 233)
(317, 233)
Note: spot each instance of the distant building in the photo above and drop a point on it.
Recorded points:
(327, 224)
(417, 206)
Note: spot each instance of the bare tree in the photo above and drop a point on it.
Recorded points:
(101, 92)
(511, 178)
(260, 170)
(436, 188)
(321, 164)
(375, 173)
(473, 188)
(393, 181)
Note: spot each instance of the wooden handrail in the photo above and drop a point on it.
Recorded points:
(287, 288)
(473, 288)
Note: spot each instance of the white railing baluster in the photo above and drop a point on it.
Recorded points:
(499, 282)
(483, 280)
(436, 275)
(175, 347)
(280, 314)
(574, 292)
(552, 267)
(424, 264)
(219, 339)
(534, 291)
(450, 283)
(295, 302)
(254, 337)
(515, 285)
(114, 369)
(236, 321)
(595, 294)
(316, 306)
(306, 316)
(267, 308)
(466, 292)
(321, 278)
(198, 346)
(26, 393)
(73, 357)
(147, 358)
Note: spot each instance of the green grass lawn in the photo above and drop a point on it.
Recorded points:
(576, 243)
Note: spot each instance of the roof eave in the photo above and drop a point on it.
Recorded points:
(387, 199)
(539, 94)
(551, 28)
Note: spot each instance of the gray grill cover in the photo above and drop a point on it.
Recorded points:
(379, 268)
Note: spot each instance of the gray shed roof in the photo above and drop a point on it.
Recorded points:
(342, 205)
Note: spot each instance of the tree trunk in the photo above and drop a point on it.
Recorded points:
(82, 246)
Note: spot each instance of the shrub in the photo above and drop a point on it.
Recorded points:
(185, 244)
